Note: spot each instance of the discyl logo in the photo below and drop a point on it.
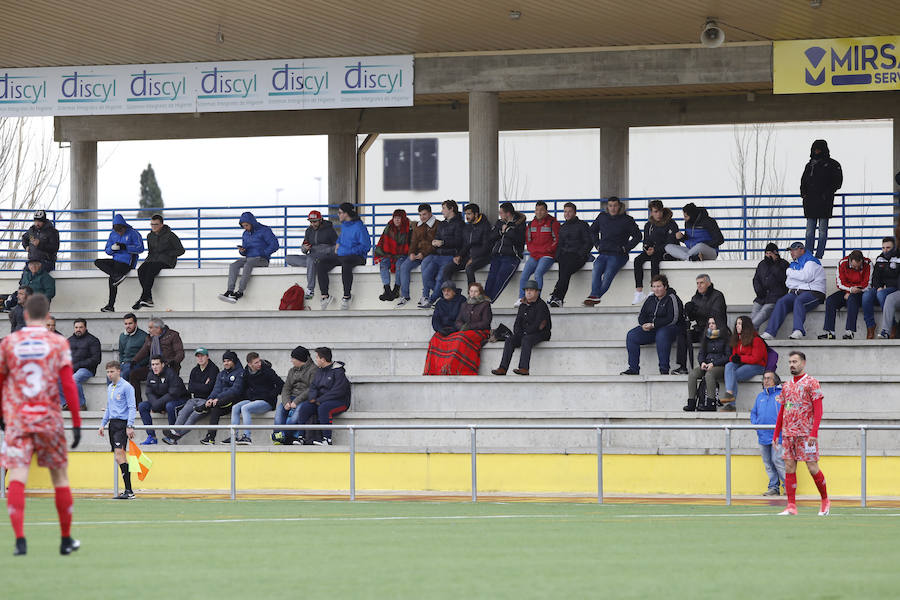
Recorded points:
(298, 81)
(20, 90)
(157, 86)
(87, 88)
(227, 84)
(372, 79)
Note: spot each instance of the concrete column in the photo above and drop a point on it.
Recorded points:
(484, 154)
(614, 162)
(342, 169)
(83, 195)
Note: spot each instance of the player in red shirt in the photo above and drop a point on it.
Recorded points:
(33, 362)
(798, 419)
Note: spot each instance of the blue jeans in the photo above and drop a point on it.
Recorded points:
(537, 267)
(243, 412)
(385, 269)
(663, 337)
(431, 267)
(799, 304)
(284, 416)
(837, 301)
(774, 464)
(811, 235)
(80, 376)
(404, 272)
(502, 269)
(605, 268)
(735, 373)
(870, 296)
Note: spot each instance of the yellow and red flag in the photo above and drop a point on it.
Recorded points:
(138, 462)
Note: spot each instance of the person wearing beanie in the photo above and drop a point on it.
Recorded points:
(329, 396)
(701, 236)
(294, 393)
(768, 285)
(391, 252)
(226, 392)
(318, 241)
(822, 177)
(258, 243)
(353, 244)
(42, 241)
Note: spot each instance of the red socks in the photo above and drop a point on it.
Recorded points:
(790, 486)
(15, 503)
(64, 510)
(819, 478)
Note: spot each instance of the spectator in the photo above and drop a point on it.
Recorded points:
(123, 245)
(119, 414)
(261, 386)
(701, 235)
(765, 412)
(130, 342)
(707, 302)
(201, 382)
(822, 177)
(42, 241)
(447, 243)
(532, 327)
(805, 282)
(391, 251)
(854, 274)
(51, 325)
(507, 248)
(458, 351)
(658, 323)
(163, 249)
(443, 320)
(748, 359)
(86, 357)
(572, 252)
(352, 246)
(17, 314)
(885, 272)
(476, 246)
(420, 247)
(39, 280)
(715, 351)
(165, 393)
(329, 394)
(659, 231)
(318, 241)
(293, 394)
(160, 341)
(258, 243)
(226, 391)
(768, 284)
(889, 315)
(541, 239)
(614, 234)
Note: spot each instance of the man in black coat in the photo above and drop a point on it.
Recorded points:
(86, 356)
(707, 302)
(260, 387)
(42, 241)
(507, 247)
(476, 246)
(200, 385)
(532, 327)
(768, 284)
(822, 177)
(165, 393)
(572, 251)
(163, 249)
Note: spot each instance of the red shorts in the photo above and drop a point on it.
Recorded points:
(50, 448)
(796, 448)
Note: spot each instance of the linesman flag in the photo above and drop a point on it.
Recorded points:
(138, 462)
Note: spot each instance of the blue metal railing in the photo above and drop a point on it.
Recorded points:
(210, 234)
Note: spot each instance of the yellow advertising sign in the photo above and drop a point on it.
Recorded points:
(840, 65)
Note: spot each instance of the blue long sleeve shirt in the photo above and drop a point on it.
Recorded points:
(119, 403)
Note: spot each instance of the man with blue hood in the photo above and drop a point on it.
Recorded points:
(765, 412)
(805, 282)
(123, 245)
(258, 243)
(822, 177)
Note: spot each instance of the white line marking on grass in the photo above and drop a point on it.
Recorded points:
(737, 515)
(305, 519)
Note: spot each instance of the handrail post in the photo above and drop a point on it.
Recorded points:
(843, 225)
(727, 466)
(352, 463)
(115, 477)
(199, 237)
(285, 233)
(744, 221)
(599, 465)
(474, 465)
(233, 450)
(863, 453)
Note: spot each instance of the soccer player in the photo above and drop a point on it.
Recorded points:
(798, 419)
(120, 416)
(33, 363)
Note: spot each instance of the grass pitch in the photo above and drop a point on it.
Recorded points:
(173, 548)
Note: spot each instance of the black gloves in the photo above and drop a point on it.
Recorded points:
(736, 359)
(76, 437)
(2, 424)
(446, 330)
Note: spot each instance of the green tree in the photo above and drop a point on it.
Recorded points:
(151, 196)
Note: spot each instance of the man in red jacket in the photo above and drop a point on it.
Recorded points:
(854, 275)
(541, 238)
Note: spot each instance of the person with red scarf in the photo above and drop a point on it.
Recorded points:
(392, 251)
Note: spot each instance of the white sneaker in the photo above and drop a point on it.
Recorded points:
(402, 301)
(638, 298)
(518, 303)
(345, 303)
(326, 300)
(797, 335)
(423, 302)
(767, 336)
(309, 294)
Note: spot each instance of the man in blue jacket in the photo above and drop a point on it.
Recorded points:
(226, 392)
(765, 412)
(446, 309)
(329, 394)
(258, 243)
(123, 245)
(353, 244)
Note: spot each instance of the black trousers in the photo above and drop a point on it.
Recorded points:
(451, 267)
(527, 342)
(215, 413)
(685, 338)
(639, 261)
(147, 273)
(137, 376)
(569, 264)
(330, 261)
(114, 269)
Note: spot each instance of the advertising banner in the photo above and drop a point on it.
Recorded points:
(840, 65)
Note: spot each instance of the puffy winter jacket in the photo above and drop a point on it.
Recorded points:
(451, 233)
(508, 238)
(703, 229)
(353, 239)
(229, 384)
(659, 233)
(331, 383)
(46, 248)
(848, 277)
(886, 270)
(716, 351)
(806, 273)
(297, 382)
(617, 234)
(476, 239)
(822, 177)
(661, 311)
(164, 246)
(165, 387)
(264, 384)
(575, 238)
(128, 244)
(768, 281)
(542, 237)
(259, 241)
(322, 239)
(85, 351)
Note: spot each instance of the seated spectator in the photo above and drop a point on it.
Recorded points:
(39, 280)
(130, 342)
(768, 284)
(805, 282)
(854, 274)
(294, 393)
(658, 323)
(258, 243)
(318, 241)
(261, 386)
(201, 382)
(476, 246)
(119, 415)
(420, 247)
(659, 231)
(507, 248)
(532, 327)
(42, 241)
(165, 393)
(352, 246)
(714, 354)
(391, 252)
(329, 395)
(701, 236)
(443, 319)
(160, 341)
(456, 350)
(572, 252)
(541, 239)
(51, 325)
(707, 302)
(226, 392)
(86, 357)
(885, 272)
(163, 249)
(765, 412)
(615, 234)
(124, 244)
(748, 359)
(17, 314)
(447, 243)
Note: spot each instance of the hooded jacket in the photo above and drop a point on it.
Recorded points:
(575, 238)
(617, 234)
(85, 352)
(451, 233)
(508, 238)
(394, 241)
(806, 273)
(822, 177)
(202, 381)
(259, 241)
(41, 282)
(229, 385)
(48, 244)
(662, 312)
(768, 281)
(715, 350)
(699, 228)
(848, 277)
(765, 412)
(331, 383)
(264, 384)
(542, 237)
(165, 387)
(297, 382)
(321, 240)
(659, 233)
(129, 243)
(164, 247)
(703, 306)
(476, 239)
(170, 345)
(422, 236)
(886, 270)
(353, 239)
(443, 319)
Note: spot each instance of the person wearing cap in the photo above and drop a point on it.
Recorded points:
(701, 236)
(225, 393)
(329, 395)
(294, 393)
(532, 327)
(822, 177)
(258, 243)
(201, 382)
(163, 249)
(318, 241)
(419, 247)
(446, 309)
(768, 284)
(131, 340)
(42, 241)
(123, 245)
(805, 282)
(352, 247)
(391, 251)
(854, 275)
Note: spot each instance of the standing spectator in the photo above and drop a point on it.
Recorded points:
(748, 359)
(476, 247)
(352, 246)
(885, 272)
(507, 248)
(163, 249)
(541, 239)
(391, 252)
(160, 341)
(293, 394)
(86, 357)
(420, 247)
(532, 327)
(201, 382)
(572, 252)
(261, 386)
(659, 231)
(614, 234)
(854, 275)
(447, 243)
(165, 393)
(701, 236)
(446, 310)
(119, 415)
(806, 290)
(459, 352)
(765, 412)
(329, 394)
(17, 314)
(658, 323)
(715, 351)
(318, 241)
(39, 280)
(822, 177)
(227, 391)
(258, 243)
(123, 245)
(768, 284)
(707, 302)
(130, 342)
(42, 241)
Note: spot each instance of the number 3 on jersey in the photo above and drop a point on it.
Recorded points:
(34, 379)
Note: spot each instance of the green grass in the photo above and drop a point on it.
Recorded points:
(160, 548)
